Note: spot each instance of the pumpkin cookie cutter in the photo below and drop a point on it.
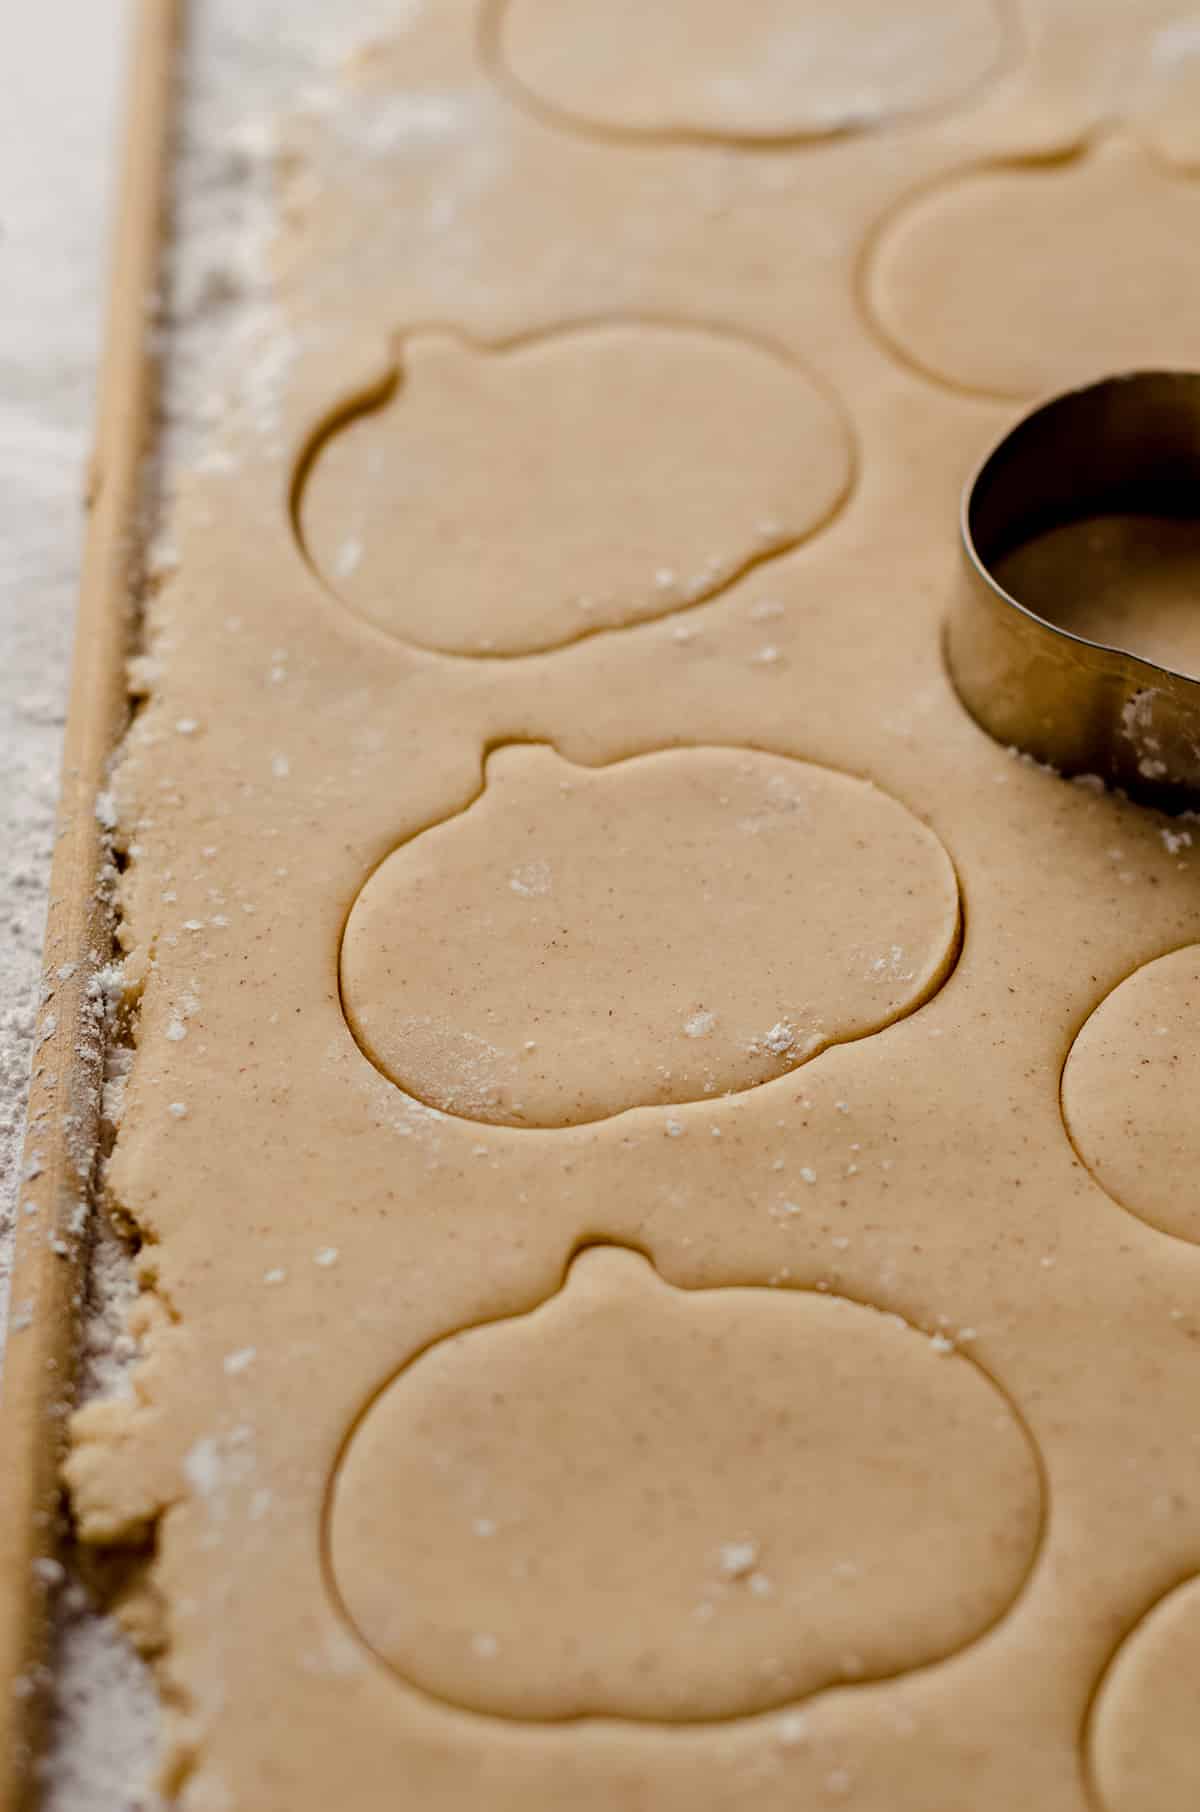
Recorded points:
(1126, 445)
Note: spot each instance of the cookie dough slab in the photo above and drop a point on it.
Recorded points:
(314, 1233)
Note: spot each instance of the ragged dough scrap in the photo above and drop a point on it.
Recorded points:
(764, 69)
(504, 501)
(1017, 279)
(766, 908)
(643, 1503)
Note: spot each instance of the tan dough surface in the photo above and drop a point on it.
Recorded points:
(448, 1421)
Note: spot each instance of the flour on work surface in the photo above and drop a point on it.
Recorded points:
(240, 71)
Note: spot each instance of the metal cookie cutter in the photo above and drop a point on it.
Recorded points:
(1128, 445)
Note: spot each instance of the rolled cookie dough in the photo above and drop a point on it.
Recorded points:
(359, 1594)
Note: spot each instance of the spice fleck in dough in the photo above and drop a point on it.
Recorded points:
(452, 1415)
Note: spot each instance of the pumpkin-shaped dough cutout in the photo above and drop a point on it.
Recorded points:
(645, 1503)
(677, 926)
(505, 501)
(760, 71)
(1143, 1733)
(1016, 280)
(1129, 1088)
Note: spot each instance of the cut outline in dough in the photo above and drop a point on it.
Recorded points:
(680, 1726)
(1087, 1763)
(1136, 969)
(1010, 55)
(1081, 145)
(372, 396)
(704, 1103)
